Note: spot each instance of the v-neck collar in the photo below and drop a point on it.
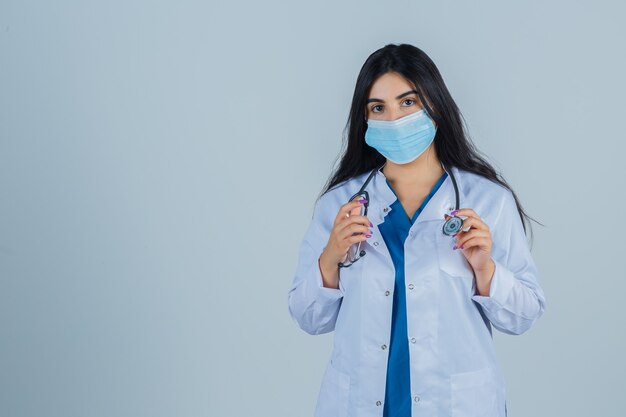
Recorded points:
(398, 205)
(442, 201)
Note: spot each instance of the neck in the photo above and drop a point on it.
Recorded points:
(423, 171)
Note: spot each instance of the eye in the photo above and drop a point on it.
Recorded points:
(374, 108)
(411, 100)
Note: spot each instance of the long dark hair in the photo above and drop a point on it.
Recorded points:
(452, 143)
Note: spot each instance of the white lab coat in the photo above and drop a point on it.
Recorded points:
(453, 366)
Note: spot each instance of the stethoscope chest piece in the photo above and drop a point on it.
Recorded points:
(452, 225)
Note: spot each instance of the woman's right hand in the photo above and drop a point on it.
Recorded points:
(341, 238)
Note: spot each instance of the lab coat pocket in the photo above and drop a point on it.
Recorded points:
(333, 396)
(451, 261)
(474, 394)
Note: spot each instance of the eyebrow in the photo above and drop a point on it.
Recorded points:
(371, 100)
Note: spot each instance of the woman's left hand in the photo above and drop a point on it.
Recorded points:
(475, 244)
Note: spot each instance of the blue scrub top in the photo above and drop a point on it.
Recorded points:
(394, 231)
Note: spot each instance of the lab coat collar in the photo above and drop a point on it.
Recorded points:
(443, 201)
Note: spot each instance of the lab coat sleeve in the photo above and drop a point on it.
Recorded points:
(515, 299)
(311, 305)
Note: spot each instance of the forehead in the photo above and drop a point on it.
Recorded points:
(389, 85)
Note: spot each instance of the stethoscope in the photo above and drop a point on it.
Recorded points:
(450, 227)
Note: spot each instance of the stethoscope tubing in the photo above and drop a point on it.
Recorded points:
(450, 227)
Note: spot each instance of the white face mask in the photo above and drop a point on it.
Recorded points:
(402, 140)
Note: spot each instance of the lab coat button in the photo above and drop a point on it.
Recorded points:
(413, 340)
(411, 286)
(417, 398)
(383, 347)
(378, 402)
(386, 209)
(387, 293)
(375, 243)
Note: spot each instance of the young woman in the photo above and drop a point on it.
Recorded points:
(416, 248)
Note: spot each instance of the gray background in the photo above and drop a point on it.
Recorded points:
(159, 164)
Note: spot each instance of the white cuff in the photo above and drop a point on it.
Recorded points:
(325, 295)
(500, 288)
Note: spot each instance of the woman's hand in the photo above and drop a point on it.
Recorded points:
(475, 244)
(347, 222)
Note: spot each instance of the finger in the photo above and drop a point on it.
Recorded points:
(355, 218)
(464, 236)
(471, 219)
(472, 238)
(350, 226)
(482, 243)
(345, 242)
(474, 224)
(355, 239)
(468, 212)
(344, 210)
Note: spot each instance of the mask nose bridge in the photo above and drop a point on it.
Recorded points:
(398, 121)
